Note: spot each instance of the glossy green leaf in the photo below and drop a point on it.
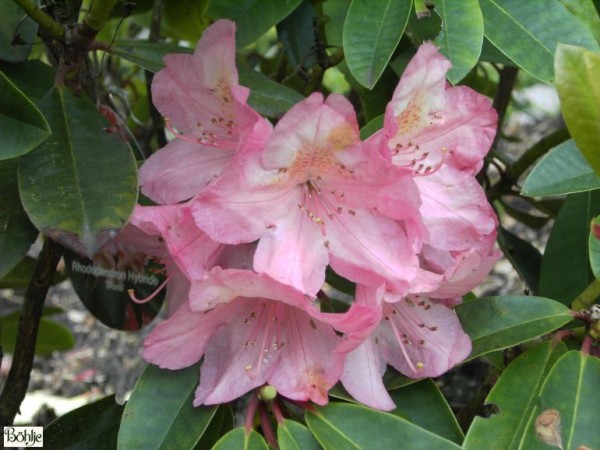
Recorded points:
(525, 258)
(221, 424)
(268, 97)
(17, 233)
(576, 71)
(22, 125)
(176, 424)
(295, 436)
(33, 77)
(571, 389)
(516, 399)
(17, 32)
(594, 247)
(148, 55)
(237, 439)
(520, 30)
(562, 170)
(584, 10)
(424, 405)
(252, 17)
(345, 426)
(80, 185)
(93, 427)
(297, 34)
(494, 323)
(528, 218)
(52, 336)
(565, 270)
(462, 35)
(372, 127)
(372, 31)
(186, 19)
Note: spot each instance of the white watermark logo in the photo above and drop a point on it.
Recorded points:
(23, 436)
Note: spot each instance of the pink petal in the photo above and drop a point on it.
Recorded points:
(467, 270)
(222, 286)
(293, 252)
(232, 212)
(191, 249)
(362, 376)
(467, 131)
(235, 360)
(455, 210)
(419, 96)
(368, 248)
(309, 367)
(181, 170)
(200, 94)
(421, 338)
(180, 341)
(269, 341)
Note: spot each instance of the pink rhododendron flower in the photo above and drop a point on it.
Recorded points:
(200, 97)
(418, 336)
(442, 134)
(401, 215)
(253, 330)
(314, 195)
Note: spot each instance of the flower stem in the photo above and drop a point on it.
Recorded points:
(44, 20)
(587, 297)
(33, 303)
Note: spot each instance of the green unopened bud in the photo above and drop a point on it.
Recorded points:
(267, 393)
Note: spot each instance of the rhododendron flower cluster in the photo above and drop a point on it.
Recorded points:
(250, 216)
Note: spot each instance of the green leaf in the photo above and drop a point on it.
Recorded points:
(22, 125)
(562, 170)
(52, 336)
(584, 10)
(295, 436)
(80, 185)
(221, 424)
(372, 31)
(494, 323)
(17, 233)
(33, 77)
(576, 72)
(93, 427)
(424, 405)
(20, 275)
(594, 247)
(520, 30)
(372, 127)
(237, 439)
(565, 270)
(462, 35)
(147, 55)
(297, 34)
(252, 17)
(515, 396)
(176, 424)
(186, 19)
(346, 426)
(525, 258)
(268, 97)
(571, 389)
(17, 33)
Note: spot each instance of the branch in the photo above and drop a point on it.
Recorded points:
(44, 20)
(16, 384)
(93, 21)
(587, 297)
